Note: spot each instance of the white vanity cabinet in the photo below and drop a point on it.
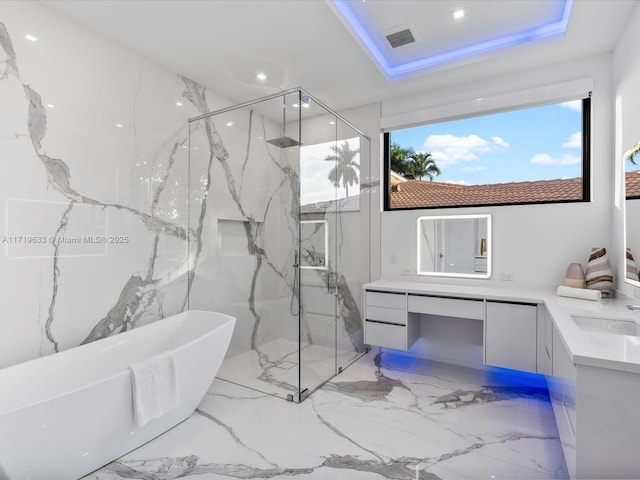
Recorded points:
(562, 390)
(386, 320)
(545, 344)
(446, 306)
(511, 335)
(593, 378)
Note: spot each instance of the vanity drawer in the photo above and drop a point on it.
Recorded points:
(389, 315)
(448, 307)
(387, 300)
(385, 335)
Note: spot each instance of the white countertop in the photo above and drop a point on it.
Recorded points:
(618, 352)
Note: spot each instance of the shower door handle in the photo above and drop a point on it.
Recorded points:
(332, 283)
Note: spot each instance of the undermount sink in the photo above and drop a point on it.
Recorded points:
(607, 325)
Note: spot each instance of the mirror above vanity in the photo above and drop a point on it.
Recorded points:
(631, 170)
(454, 246)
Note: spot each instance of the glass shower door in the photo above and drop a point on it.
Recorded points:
(351, 242)
(334, 255)
(318, 234)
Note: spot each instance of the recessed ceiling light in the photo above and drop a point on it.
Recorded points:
(458, 14)
(51, 105)
(31, 38)
(261, 76)
(305, 105)
(295, 105)
(119, 125)
(229, 124)
(332, 122)
(178, 104)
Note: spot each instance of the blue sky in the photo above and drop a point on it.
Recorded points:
(539, 143)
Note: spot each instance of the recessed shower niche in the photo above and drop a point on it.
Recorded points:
(279, 238)
(232, 236)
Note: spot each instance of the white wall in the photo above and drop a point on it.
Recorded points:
(626, 78)
(533, 243)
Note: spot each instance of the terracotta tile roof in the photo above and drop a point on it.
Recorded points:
(347, 204)
(419, 193)
(632, 184)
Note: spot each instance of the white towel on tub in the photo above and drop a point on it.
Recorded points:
(154, 386)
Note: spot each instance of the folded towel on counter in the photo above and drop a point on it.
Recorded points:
(582, 293)
(154, 387)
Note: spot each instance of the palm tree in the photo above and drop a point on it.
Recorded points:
(346, 168)
(632, 152)
(409, 163)
(399, 157)
(422, 165)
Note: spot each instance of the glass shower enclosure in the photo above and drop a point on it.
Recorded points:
(279, 238)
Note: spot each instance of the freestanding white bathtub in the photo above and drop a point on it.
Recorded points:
(66, 415)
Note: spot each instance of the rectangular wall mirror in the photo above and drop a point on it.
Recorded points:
(631, 182)
(454, 246)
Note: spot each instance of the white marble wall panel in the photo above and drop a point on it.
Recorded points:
(93, 143)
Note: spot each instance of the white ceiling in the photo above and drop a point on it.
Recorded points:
(484, 25)
(224, 43)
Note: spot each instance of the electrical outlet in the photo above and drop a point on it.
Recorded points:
(506, 276)
(406, 271)
(393, 259)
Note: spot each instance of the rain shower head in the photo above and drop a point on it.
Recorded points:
(284, 142)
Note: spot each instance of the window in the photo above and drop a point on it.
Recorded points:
(330, 176)
(531, 155)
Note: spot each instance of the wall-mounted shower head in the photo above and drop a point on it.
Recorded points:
(284, 142)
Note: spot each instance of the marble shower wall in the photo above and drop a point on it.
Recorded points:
(94, 186)
(103, 225)
(250, 225)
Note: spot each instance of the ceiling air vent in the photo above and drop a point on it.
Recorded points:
(400, 38)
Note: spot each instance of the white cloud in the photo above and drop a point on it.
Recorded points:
(574, 141)
(546, 159)
(575, 105)
(499, 141)
(458, 182)
(472, 169)
(449, 149)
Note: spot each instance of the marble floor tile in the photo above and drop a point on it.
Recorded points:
(385, 417)
(273, 369)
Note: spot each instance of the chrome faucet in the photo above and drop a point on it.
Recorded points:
(633, 307)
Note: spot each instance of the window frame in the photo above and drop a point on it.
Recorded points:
(586, 162)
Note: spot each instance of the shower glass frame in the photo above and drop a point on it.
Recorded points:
(327, 301)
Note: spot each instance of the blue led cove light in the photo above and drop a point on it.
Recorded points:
(557, 27)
